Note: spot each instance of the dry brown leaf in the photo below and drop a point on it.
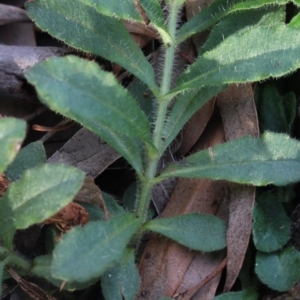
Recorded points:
(142, 29)
(239, 117)
(195, 127)
(4, 184)
(34, 291)
(71, 215)
(87, 152)
(169, 269)
(205, 289)
(91, 193)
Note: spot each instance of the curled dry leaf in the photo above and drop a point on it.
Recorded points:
(71, 215)
(239, 117)
(31, 289)
(4, 184)
(139, 28)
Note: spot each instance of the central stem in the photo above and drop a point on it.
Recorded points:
(163, 101)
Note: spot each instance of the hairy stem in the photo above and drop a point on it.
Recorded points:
(163, 101)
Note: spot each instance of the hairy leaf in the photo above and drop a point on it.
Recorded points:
(196, 231)
(279, 270)
(82, 27)
(40, 193)
(30, 156)
(122, 281)
(175, 2)
(239, 21)
(276, 112)
(233, 61)
(183, 109)
(92, 249)
(12, 133)
(216, 11)
(271, 225)
(42, 268)
(144, 10)
(156, 17)
(83, 92)
(113, 207)
(125, 10)
(271, 159)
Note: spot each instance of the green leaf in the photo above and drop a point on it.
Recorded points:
(233, 61)
(80, 90)
(273, 158)
(12, 133)
(295, 22)
(156, 16)
(279, 270)
(143, 96)
(42, 268)
(87, 252)
(215, 12)
(175, 2)
(243, 295)
(30, 156)
(112, 206)
(129, 201)
(94, 212)
(3, 264)
(129, 197)
(127, 10)
(196, 231)
(239, 21)
(122, 281)
(183, 109)
(40, 193)
(275, 112)
(97, 214)
(271, 226)
(83, 28)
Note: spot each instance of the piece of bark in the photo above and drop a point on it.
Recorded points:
(11, 14)
(87, 152)
(17, 34)
(14, 61)
(18, 3)
(238, 112)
